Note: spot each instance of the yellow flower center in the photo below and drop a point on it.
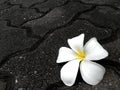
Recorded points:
(81, 55)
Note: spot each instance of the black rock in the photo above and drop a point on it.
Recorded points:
(26, 3)
(50, 4)
(103, 16)
(57, 17)
(39, 70)
(12, 40)
(32, 31)
(18, 16)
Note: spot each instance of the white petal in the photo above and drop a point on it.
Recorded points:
(76, 43)
(92, 73)
(65, 54)
(69, 72)
(94, 50)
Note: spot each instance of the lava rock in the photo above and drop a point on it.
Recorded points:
(12, 40)
(38, 69)
(6, 81)
(115, 3)
(103, 16)
(4, 6)
(17, 16)
(110, 81)
(50, 4)
(26, 3)
(30, 64)
(113, 47)
(58, 17)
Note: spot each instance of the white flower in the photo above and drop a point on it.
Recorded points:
(91, 72)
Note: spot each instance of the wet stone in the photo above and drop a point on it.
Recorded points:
(57, 17)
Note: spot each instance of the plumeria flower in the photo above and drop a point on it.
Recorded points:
(91, 72)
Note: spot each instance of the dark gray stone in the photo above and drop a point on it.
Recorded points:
(38, 70)
(4, 6)
(103, 16)
(58, 17)
(26, 3)
(2, 85)
(6, 81)
(18, 16)
(115, 3)
(50, 4)
(2, 1)
(113, 48)
(12, 40)
(110, 81)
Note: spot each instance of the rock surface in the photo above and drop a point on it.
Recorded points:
(12, 40)
(2, 1)
(15, 14)
(57, 17)
(31, 33)
(103, 16)
(26, 3)
(114, 3)
(50, 4)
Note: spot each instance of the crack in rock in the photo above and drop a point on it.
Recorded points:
(18, 15)
(103, 16)
(26, 3)
(31, 68)
(56, 18)
(32, 32)
(12, 39)
(50, 4)
(115, 3)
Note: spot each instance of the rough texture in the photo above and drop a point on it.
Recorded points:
(26, 3)
(56, 18)
(114, 48)
(115, 3)
(32, 31)
(110, 80)
(41, 64)
(4, 6)
(2, 85)
(15, 14)
(12, 40)
(50, 4)
(104, 16)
